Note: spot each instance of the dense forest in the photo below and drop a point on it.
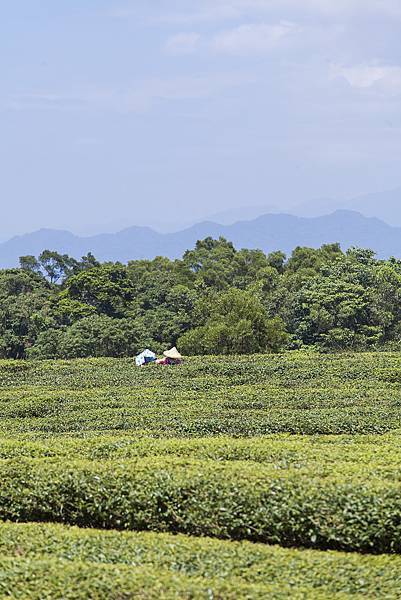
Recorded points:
(215, 300)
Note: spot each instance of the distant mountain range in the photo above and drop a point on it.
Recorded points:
(382, 205)
(268, 232)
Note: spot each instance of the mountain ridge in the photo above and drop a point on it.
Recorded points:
(277, 231)
(385, 205)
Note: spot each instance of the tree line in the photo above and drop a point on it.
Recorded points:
(215, 300)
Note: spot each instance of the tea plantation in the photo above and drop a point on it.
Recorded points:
(225, 477)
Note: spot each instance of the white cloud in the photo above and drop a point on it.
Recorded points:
(254, 38)
(246, 39)
(385, 79)
(183, 43)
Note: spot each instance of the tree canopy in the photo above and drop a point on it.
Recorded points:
(215, 300)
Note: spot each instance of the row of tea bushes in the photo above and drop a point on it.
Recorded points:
(352, 457)
(40, 561)
(200, 418)
(238, 501)
(54, 579)
(304, 423)
(206, 373)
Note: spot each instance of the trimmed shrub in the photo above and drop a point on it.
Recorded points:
(58, 559)
(229, 501)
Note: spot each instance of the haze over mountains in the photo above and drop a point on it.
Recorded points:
(268, 232)
(372, 221)
(383, 205)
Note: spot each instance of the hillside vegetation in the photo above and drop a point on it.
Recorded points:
(255, 476)
(215, 300)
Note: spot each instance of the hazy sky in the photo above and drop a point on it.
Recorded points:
(122, 112)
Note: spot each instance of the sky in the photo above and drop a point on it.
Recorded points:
(162, 112)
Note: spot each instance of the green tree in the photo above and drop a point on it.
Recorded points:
(106, 289)
(93, 336)
(24, 310)
(277, 260)
(235, 321)
(29, 263)
(212, 262)
(56, 266)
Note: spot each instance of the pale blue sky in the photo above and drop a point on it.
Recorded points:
(122, 112)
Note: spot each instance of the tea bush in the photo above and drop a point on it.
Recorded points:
(290, 506)
(358, 457)
(179, 566)
(60, 579)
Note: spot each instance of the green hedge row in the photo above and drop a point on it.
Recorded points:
(59, 580)
(207, 498)
(192, 414)
(169, 564)
(352, 457)
(162, 422)
(285, 369)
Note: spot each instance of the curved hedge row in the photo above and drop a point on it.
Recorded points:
(200, 421)
(356, 457)
(232, 501)
(60, 580)
(205, 373)
(181, 563)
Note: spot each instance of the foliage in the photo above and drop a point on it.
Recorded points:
(245, 396)
(368, 457)
(138, 457)
(24, 311)
(234, 322)
(103, 558)
(291, 507)
(46, 577)
(216, 299)
(96, 335)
